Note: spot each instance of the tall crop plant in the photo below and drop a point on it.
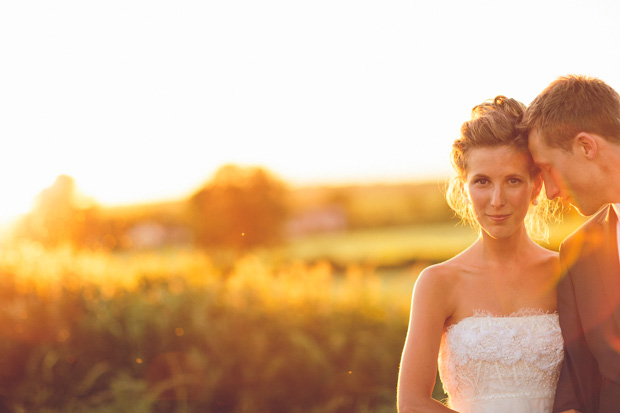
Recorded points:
(167, 331)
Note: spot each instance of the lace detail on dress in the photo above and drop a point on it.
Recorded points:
(521, 312)
(486, 357)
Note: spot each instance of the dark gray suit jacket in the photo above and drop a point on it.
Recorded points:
(589, 307)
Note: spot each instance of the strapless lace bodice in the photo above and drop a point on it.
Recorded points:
(507, 364)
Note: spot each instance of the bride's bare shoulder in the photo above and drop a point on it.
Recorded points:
(437, 289)
(444, 276)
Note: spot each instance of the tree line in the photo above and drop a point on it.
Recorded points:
(238, 207)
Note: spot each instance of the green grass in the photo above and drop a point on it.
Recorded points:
(385, 246)
(400, 246)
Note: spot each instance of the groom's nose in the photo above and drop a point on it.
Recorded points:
(552, 189)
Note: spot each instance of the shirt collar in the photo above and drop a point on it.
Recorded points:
(616, 208)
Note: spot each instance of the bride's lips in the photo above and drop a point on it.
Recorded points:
(498, 217)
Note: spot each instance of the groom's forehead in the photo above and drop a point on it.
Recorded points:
(535, 143)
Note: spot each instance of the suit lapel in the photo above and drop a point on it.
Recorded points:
(607, 264)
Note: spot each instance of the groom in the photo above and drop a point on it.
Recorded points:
(573, 128)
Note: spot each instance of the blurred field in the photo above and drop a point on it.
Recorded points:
(113, 322)
(168, 332)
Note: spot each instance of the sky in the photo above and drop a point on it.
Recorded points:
(142, 101)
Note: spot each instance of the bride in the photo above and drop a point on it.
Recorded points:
(487, 317)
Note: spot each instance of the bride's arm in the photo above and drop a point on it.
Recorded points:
(430, 307)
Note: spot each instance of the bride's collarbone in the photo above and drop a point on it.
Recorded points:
(508, 273)
(509, 281)
(502, 298)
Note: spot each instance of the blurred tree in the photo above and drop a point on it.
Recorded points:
(60, 215)
(240, 207)
(55, 217)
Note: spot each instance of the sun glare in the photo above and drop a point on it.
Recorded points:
(16, 203)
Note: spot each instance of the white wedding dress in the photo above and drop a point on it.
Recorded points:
(506, 364)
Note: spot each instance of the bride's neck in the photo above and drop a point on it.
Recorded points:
(504, 250)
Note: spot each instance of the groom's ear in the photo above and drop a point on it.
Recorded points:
(586, 144)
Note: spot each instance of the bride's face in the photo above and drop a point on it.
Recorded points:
(500, 189)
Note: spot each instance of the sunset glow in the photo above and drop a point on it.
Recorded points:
(141, 101)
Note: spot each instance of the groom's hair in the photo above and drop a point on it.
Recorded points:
(572, 104)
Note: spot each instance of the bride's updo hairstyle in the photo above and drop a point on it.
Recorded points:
(495, 123)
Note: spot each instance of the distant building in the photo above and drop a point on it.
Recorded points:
(151, 234)
(329, 219)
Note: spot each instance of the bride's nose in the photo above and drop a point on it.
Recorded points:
(498, 198)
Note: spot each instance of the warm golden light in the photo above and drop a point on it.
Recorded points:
(265, 175)
(134, 127)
